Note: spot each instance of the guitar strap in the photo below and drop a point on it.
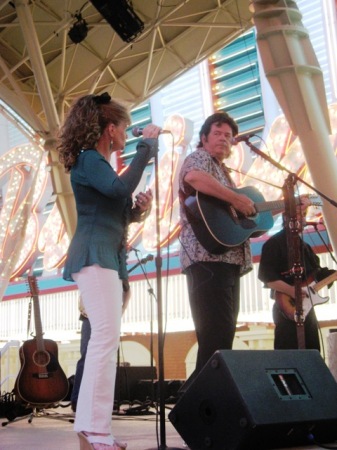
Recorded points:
(222, 170)
(227, 172)
(182, 196)
(293, 228)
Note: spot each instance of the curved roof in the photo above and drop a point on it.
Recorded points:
(42, 70)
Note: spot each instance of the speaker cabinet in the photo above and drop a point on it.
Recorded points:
(128, 379)
(259, 399)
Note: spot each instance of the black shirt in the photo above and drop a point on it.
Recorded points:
(274, 264)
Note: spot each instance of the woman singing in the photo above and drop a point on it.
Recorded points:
(95, 127)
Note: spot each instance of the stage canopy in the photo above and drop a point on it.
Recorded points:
(42, 70)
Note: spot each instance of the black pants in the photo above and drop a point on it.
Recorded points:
(286, 331)
(214, 294)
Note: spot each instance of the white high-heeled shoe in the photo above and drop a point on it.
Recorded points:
(89, 442)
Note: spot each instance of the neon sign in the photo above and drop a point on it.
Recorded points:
(23, 174)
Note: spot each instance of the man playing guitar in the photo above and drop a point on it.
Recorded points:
(276, 274)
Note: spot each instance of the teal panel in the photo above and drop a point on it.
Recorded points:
(236, 82)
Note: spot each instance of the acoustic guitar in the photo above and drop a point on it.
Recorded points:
(287, 304)
(41, 380)
(218, 226)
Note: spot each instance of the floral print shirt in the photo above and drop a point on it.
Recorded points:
(191, 250)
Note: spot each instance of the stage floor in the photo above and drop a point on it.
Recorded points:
(55, 432)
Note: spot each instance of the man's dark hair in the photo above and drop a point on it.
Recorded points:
(217, 118)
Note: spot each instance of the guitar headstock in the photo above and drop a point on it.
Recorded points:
(314, 199)
(32, 283)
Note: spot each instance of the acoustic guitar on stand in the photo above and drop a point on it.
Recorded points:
(287, 304)
(41, 380)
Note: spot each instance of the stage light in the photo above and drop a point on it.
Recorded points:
(120, 15)
(79, 30)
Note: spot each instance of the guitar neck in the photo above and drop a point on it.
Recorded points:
(37, 313)
(269, 206)
(37, 317)
(321, 284)
(279, 204)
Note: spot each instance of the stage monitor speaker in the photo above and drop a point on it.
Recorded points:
(258, 399)
(121, 16)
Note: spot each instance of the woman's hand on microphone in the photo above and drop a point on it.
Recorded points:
(151, 131)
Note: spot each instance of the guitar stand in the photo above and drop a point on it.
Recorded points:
(41, 411)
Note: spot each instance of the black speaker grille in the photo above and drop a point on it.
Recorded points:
(246, 400)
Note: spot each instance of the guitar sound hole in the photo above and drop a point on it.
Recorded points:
(41, 358)
(247, 223)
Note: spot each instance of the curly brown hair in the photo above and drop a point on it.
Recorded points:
(217, 118)
(85, 123)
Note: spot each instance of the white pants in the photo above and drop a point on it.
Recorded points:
(101, 292)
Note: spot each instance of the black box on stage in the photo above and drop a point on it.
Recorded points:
(258, 399)
(149, 390)
(146, 390)
(127, 381)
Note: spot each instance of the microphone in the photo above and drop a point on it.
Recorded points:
(141, 261)
(243, 137)
(146, 259)
(138, 131)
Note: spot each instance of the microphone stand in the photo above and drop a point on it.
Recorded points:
(324, 243)
(283, 168)
(140, 262)
(293, 240)
(161, 379)
(152, 296)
